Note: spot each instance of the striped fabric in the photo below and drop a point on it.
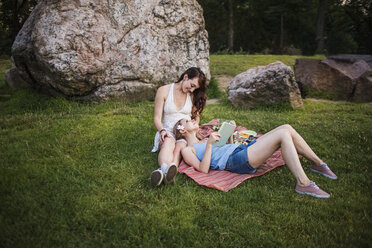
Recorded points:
(225, 180)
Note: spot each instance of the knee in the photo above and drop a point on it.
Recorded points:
(285, 130)
(168, 144)
(287, 127)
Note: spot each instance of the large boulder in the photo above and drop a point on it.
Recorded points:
(363, 88)
(347, 76)
(97, 49)
(265, 85)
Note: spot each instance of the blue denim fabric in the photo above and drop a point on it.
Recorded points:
(238, 160)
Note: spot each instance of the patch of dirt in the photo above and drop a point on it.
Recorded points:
(223, 81)
(213, 101)
(324, 100)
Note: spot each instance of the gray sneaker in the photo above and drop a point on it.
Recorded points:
(313, 190)
(170, 174)
(156, 177)
(324, 170)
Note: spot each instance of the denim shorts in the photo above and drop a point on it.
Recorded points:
(238, 160)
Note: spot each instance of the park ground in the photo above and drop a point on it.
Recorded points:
(76, 175)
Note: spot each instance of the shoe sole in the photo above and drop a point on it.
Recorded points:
(156, 178)
(171, 173)
(312, 194)
(321, 173)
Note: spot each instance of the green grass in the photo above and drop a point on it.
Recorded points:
(76, 175)
(232, 65)
(213, 89)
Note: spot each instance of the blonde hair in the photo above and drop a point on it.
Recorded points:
(179, 135)
(176, 131)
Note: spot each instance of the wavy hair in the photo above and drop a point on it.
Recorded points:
(200, 94)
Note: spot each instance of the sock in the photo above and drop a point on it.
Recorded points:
(164, 168)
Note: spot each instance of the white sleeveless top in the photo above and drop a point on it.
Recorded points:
(171, 115)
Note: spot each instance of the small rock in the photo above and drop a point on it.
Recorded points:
(13, 79)
(265, 85)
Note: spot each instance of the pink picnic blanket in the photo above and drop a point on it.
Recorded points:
(225, 180)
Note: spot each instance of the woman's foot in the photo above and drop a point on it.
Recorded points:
(324, 170)
(170, 173)
(312, 189)
(156, 177)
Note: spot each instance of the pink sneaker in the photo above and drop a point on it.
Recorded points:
(313, 190)
(324, 170)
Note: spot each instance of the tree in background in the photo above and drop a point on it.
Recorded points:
(230, 43)
(322, 9)
(290, 26)
(13, 13)
(359, 13)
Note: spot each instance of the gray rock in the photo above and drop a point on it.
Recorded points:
(363, 88)
(13, 79)
(346, 76)
(265, 85)
(96, 49)
(352, 58)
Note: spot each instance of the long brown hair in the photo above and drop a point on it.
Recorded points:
(200, 94)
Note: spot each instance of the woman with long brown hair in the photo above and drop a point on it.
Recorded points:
(185, 98)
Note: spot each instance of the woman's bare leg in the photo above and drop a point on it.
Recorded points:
(266, 145)
(166, 151)
(302, 147)
(177, 152)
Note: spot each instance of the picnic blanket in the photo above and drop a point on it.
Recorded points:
(225, 180)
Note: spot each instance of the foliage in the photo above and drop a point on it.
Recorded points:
(349, 27)
(258, 25)
(13, 13)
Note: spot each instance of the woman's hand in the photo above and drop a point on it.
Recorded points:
(233, 122)
(231, 139)
(163, 135)
(213, 137)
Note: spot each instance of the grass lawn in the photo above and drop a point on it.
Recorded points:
(76, 175)
(234, 64)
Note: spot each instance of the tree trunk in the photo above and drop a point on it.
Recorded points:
(230, 44)
(15, 20)
(281, 33)
(322, 9)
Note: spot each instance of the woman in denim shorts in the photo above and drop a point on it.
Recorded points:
(244, 159)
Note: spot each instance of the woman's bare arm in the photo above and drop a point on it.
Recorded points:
(177, 152)
(159, 105)
(191, 159)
